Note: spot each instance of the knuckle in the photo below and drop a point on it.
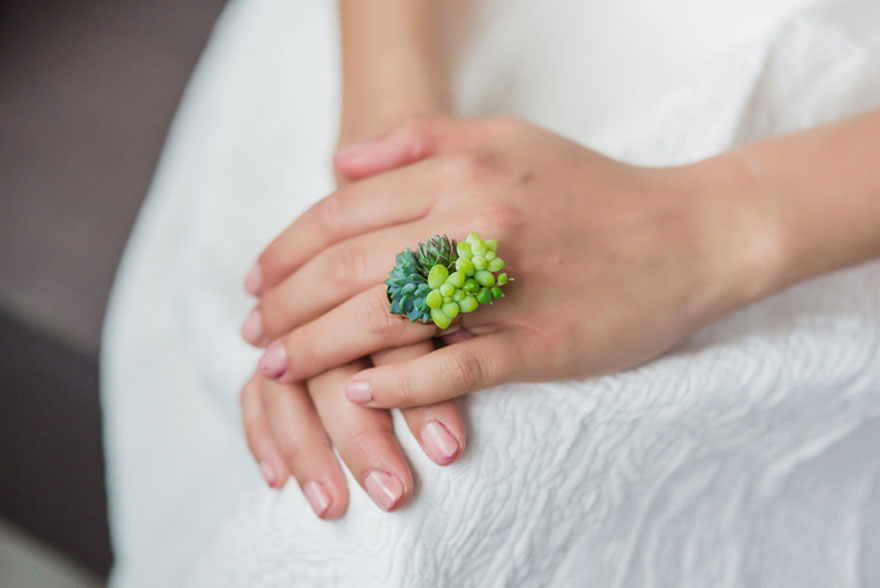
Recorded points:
(347, 264)
(397, 389)
(291, 450)
(376, 313)
(469, 167)
(276, 310)
(507, 219)
(404, 391)
(355, 444)
(500, 220)
(303, 352)
(330, 213)
(466, 371)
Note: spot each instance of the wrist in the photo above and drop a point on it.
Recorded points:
(744, 251)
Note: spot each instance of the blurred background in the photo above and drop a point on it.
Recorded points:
(87, 91)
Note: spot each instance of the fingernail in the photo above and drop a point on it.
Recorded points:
(441, 446)
(273, 364)
(385, 489)
(253, 281)
(358, 391)
(252, 328)
(317, 497)
(351, 152)
(268, 473)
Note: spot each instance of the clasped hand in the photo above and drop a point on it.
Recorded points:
(613, 264)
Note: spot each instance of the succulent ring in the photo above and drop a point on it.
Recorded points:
(442, 279)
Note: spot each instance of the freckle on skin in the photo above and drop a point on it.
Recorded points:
(527, 177)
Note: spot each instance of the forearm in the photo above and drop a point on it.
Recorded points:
(800, 205)
(392, 64)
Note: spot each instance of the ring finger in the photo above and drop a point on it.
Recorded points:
(326, 280)
(356, 328)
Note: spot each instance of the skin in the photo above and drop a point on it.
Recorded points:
(612, 256)
(621, 262)
(391, 71)
(614, 264)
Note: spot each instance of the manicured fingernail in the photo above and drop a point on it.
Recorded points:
(273, 364)
(439, 443)
(351, 152)
(252, 328)
(358, 391)
(317, 497)
(268, 473)
(254, 280)
(385, 489)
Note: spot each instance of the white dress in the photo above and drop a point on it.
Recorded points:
(743, 458)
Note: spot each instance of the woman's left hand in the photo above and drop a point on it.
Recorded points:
(613, 264)
(291, 429)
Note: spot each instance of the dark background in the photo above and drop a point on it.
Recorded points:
(87, 91)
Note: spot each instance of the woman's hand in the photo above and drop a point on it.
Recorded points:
(613, 263)
(290, 429)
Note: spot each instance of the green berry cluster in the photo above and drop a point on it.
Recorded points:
(474, 281)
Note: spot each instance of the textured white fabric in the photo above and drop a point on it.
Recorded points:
(743, 458)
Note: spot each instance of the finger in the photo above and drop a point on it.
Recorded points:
(259, 437)
(457, 336)
(328, 279)
(470, 365)
(364, 438)
(349, 211)
(304, 447)
(359, 326)
(437, 427)
(417, 139)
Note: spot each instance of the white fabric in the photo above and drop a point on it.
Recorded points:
(743, 458)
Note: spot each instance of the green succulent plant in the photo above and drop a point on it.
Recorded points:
(408, 288)
(436, 251)
(444, 278)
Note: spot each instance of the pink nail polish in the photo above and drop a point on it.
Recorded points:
(385, 489)
(317, 497)
(358, 391)
(439, 443)
(273, 364)
(268, 473)
(252, 328)
(254, 280)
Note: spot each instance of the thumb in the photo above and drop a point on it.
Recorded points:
(415, 140)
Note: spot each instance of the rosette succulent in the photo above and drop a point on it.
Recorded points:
(437, 251)
(444, 278)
